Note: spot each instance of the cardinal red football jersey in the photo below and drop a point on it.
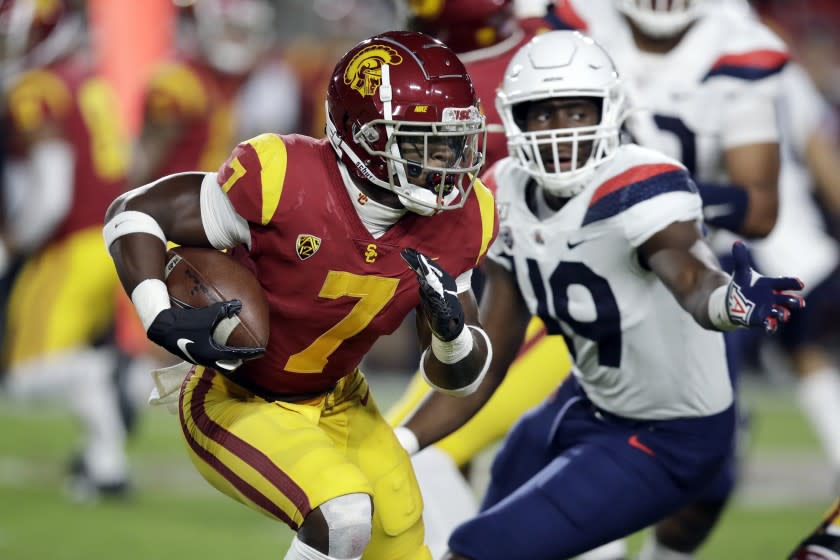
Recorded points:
(70, 98)
(332, 288)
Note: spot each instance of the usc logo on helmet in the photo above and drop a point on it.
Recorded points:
(364, 72)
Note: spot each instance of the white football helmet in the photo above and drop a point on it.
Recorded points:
(562, 64)
(661, 18)
(234, 34)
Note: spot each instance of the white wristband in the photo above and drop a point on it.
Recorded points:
(719, 309)
(150, 297)
(128, 222)
(468, 389)
(454, 350)
(407, 439)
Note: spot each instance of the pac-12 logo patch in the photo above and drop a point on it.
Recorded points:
(364, 72)
(307, 245)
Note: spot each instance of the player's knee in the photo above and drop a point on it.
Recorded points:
(685, 530)
(341, 527)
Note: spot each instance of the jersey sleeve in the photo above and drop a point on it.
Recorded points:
(489, 219)
(37, 98)
(803, 111)
(749, 69)
(668, 197)
(175, 93)
(253, 177)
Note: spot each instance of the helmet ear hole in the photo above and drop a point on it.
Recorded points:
(520, 114)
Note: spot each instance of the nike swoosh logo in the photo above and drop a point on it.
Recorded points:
(571, 245)
(634, 442)
(182, 344)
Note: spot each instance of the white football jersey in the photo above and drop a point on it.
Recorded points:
(637, 352)
(803, 113)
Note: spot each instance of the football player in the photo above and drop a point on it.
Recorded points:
(340, 231)
(67, 160)
(486, 35)
(706, 77)
(605, 243)
(824, 542)
(219, 87)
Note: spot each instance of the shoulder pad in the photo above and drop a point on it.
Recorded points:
(489, 217)
(564, 15)
(37, 97)
(634, 182)
(253, 177)
(175, 90)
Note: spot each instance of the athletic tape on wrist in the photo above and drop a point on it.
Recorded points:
(467, 389)
(150, 297)
(455, 350)
(131, 221)
(719, 309)
(407, 439)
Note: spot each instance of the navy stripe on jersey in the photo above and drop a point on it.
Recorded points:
(634, 186)
(750, 66)
(563, 17)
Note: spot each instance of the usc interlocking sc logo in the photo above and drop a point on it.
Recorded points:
(371, 254)
(364, 72)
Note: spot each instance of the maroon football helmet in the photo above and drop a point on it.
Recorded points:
(402, 114)
(464, 25)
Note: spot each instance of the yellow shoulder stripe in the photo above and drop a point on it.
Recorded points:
(487, 208)
(31, 92)
(182, 84)
(271, 152)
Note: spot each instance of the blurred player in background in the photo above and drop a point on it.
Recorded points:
(824, 542)
(604, 242)
(339, 231)
(224, 84)
(707, 79)
(67, 159)
(810, 165)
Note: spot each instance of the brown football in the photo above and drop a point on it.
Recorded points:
(197, 277)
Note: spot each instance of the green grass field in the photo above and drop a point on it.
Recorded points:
(175, 515)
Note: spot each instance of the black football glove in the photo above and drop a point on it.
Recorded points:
(438, 296)
(188, 333)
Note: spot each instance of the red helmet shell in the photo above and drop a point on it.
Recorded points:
(426, 78)
(464, 25)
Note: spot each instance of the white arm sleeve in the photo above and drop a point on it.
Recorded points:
(48, 194)
(750, 115)
(463, 282)
(222, 225)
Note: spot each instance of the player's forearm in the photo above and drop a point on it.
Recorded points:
(457, 367)
(692, 277)
(762, 211)
(439, 414)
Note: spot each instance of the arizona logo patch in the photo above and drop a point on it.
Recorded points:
(307, 245)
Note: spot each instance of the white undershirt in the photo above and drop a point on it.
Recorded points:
(376, 217)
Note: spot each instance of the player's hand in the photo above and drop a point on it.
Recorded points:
(754, 300)
(438, 296)
(188, 333)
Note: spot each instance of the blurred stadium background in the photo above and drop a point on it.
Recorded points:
(173, 514)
